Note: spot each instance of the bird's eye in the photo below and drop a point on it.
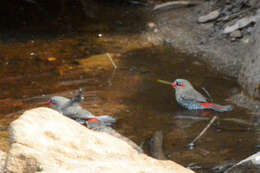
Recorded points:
(53, 101)
(179, 83)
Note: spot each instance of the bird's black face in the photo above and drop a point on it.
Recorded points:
(179, 83)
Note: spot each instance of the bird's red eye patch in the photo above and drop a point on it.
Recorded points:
(181, 85)
(53, 102)
(177, 83)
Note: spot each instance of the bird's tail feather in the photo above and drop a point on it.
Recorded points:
(216, 107)
(220, 108)
(106, 120)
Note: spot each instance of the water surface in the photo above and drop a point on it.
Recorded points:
(33, 70)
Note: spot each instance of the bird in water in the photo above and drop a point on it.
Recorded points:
(71, 108)
(191, 99)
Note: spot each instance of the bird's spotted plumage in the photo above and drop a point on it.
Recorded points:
(191, 99)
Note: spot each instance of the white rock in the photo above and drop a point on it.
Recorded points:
(42, 140)
(2, 160)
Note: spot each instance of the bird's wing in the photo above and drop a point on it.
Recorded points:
(194, 95)
(75, 101)
(77, 111)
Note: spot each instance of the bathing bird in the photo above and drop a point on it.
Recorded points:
(71, 108)
(191, 99)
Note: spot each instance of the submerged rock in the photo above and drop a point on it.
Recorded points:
(156, 146)
(97, 63)
(44, 140)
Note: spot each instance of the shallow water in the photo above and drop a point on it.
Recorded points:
(33, 70)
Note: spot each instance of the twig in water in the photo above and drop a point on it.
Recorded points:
(191, 145)
(110, 58)
(112, 77)
(164, 82)
(209, 96)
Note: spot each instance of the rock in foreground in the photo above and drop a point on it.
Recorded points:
(248, 165)
(42, 140)
(2, 160)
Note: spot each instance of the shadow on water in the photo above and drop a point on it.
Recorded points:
(130, 93)
(53, 19)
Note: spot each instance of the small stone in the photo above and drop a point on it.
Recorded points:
(155, 30)
(100, 35)
(32, 53)
(245, 40)
(196, 63)
(227, 1)
(250, 29)
(209, 17)
(51, 59)
(235, 90)
(151, 25)
(241, 23)
(208, 26)
(236, 34)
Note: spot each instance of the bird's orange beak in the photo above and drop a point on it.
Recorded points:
(174, 84)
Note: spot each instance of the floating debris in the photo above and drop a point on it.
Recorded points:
(191, 145)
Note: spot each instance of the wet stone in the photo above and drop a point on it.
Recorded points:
(209, 17)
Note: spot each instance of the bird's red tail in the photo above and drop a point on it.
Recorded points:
(216, 107)
(94, 120)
